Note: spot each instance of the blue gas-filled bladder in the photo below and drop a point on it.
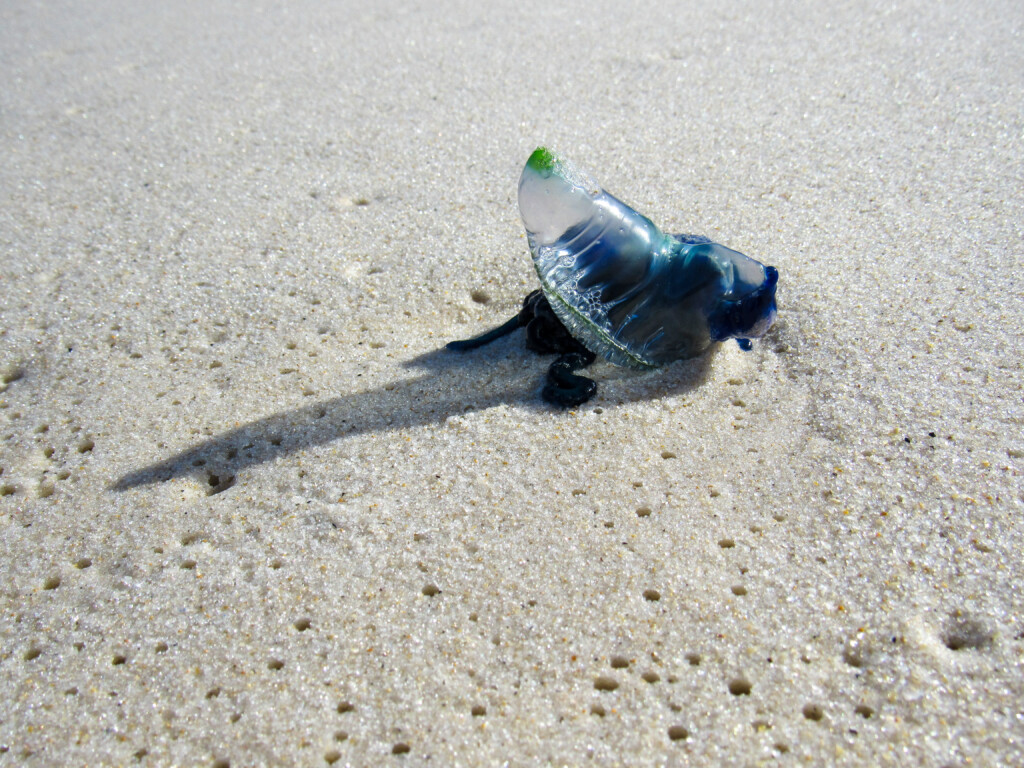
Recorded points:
(623, 288)
(613, 284)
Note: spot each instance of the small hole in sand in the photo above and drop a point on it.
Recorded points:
(652, 595)
(597, 709)
(864, 711)
(332, 756)
(72, 691)
(82, 563)
(667, 455)
(275, 664)
(478, 711)
(52, 583)
(430, 590)
(619, 662)
(188, 565)
(651, 677)
(10, 375)
(213, 693)
(86, 445)
(221, 764)
(855, 654)
(161, 648)
(643, 512)
(275, 564)
(739, 590)
(302, 625)
(739, 686)
(401, 748)
(726, 543)
(7, 489)
(345, 706)
(603, 683)
(965, 633)
(119, 659)
(480, 297)
(219, 484)
(46, 489)
(340, 735)
(678, 733)
(32, 653)
(813, 712)
(693, 659)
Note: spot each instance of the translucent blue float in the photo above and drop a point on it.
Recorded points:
(620, 287)
(629, 292)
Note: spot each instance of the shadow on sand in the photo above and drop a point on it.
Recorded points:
(454, 383)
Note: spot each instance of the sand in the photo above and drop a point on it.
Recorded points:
(250, 514)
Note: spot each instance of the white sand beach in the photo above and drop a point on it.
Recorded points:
(252, 513)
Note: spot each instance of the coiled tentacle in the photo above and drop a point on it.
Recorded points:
(545, 335)
(564, 387)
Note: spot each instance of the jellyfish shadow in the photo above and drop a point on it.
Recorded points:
(455, 383)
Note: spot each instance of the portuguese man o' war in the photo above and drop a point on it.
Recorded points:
(612, 284)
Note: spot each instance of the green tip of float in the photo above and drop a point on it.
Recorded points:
(542, 159)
